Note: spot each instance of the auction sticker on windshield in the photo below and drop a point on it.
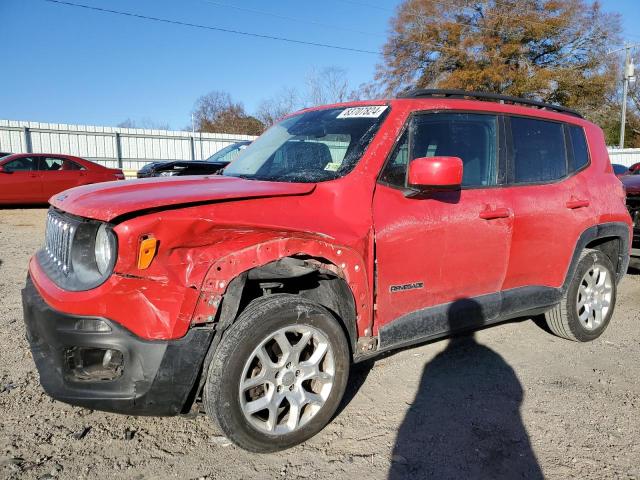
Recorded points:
(372, 111)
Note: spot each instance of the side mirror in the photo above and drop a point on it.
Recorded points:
(2, 169)
(435, 173)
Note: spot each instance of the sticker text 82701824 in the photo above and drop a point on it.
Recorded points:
(370, 111)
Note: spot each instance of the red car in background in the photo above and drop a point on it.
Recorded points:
(35, 177)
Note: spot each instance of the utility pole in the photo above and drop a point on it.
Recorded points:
(625, 89)
(628, 77)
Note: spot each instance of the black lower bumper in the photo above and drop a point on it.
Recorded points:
(153, 378)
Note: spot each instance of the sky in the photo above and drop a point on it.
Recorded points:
(64, 64)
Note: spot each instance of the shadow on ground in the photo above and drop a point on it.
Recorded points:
(465, 419)
(634, 268)
(357, 376)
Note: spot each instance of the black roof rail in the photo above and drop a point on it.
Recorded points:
(437, 93)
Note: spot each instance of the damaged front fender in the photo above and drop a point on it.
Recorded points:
(343, 262)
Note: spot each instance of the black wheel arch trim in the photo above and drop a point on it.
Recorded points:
(617, 230)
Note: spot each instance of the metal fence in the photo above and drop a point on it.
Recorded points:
(131, 148)
(624, 156)
(126, 148)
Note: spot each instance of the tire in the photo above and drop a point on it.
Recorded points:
(305, 375)
(581, 324)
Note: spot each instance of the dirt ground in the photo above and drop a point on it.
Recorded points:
(511, 402)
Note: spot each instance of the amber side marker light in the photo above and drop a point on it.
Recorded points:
(148, 246)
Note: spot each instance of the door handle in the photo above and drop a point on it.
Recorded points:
(489, 214)
(577, 203)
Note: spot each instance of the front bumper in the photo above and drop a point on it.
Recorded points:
(154, 377)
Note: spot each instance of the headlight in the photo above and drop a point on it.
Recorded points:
(103, 249)
(79, 254)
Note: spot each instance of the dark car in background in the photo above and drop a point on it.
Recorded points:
(631, 182)
(620, 170)
(210, 166)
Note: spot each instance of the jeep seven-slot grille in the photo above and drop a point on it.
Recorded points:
(58, 237)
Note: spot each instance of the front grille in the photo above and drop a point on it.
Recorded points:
(58, 239)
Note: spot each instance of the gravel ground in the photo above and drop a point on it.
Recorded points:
(511, 402)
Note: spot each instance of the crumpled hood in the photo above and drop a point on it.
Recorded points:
(106, 201)
(631, 184)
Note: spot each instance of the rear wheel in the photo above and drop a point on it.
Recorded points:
(278, 375)
(587, 305)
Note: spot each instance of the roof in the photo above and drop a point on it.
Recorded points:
(440, 93)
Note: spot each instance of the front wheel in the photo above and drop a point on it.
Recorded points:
(587, 305)
(278, 375)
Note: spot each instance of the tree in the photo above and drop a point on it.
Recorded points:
(144, 123)
(216, 112)
(323, 86)
(367, 91)
(327, 85)
(282, 103)
(550, 50)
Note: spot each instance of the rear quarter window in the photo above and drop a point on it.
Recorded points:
(579, 147)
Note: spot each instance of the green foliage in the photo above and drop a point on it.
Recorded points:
(549, 50)
(217, 113)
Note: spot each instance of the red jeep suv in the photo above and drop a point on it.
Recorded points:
(342, 232)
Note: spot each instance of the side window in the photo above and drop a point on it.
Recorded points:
(54, 164)
(539, 152)
(51, 164)
(69, 165)
(471, 137)
(395, 171)
(23, 164)
(579, 147)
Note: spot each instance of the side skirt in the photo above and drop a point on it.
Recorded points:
(466, 314)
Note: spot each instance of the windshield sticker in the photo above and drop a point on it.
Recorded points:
(332, 166)
(373, 111)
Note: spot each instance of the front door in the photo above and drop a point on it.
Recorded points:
(20, 181)
(441, 252)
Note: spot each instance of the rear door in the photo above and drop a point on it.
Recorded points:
(441, 247)
(20, 181)
(550, 199)
(59, 174)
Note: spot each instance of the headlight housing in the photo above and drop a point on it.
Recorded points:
(103, 249)
(79, 253)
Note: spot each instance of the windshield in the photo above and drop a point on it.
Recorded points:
(314, 146)
(228, 153)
